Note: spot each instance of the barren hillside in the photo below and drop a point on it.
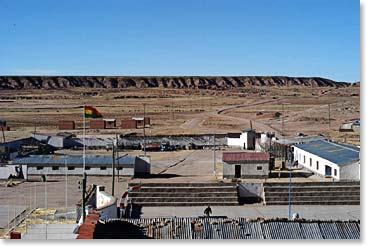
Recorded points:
(201, 82)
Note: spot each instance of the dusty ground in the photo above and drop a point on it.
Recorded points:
(172, 111)
(190, 111)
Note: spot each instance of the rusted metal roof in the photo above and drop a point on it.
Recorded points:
(245, 156)
(241, 228)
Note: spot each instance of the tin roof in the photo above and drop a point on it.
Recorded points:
(238, 228)
(334, 152)
(300, 139)
(245, 156)
(76, 160)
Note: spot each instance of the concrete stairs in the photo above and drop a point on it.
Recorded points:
(185, 194)
(312, 193)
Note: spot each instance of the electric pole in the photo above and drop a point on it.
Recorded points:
(145, 152)
(214, 157)
(113, 169)
(329, 117)
(84, 187)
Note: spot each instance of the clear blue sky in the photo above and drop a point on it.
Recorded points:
(183, 37)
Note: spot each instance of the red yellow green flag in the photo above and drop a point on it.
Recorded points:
(91, 112)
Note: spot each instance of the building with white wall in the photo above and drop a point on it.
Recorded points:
(329, 159)
(244, 140)
(95, 165)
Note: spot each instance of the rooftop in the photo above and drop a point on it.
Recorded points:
(227, 228)
(301, 139)
(245, 156)
(77, 160)
(337, 153)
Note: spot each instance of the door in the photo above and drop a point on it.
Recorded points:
(327, 170)
(237, 171)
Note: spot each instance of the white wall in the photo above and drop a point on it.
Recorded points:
(79, 171)
(350, 171)
(235, 142)
(299, 154)
(106, 203)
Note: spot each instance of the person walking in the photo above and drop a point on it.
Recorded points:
(208, 211)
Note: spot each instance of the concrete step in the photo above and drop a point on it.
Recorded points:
(313, 188)
(305, 184)
(311, 198)
(184, 199)
(187, 189)
(334, 202)
(183, 194)
(213, 184)
(313, 194)
(186, 204)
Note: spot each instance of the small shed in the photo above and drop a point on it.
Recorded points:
(66, 125)
(97, 124)
(128, 124)
(244, 140)
(245, 164)
(109, 123)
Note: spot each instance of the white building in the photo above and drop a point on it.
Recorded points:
(329, 159)
(95, 165)
(244, 140)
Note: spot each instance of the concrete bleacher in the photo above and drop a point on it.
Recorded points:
(185, 194)
(312, 193)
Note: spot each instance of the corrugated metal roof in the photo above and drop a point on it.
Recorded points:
(301, 139)
(76, 160)
(241, 228)
(337, 153)
(245, 156)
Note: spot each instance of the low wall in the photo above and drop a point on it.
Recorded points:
(250, 192)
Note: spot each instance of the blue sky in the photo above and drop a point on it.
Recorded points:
(167, 37)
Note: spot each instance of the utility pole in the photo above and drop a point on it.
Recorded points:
(172, 111)
(145, 152)
(329, 117)
(118, 161)
(84, 187)
(113, 169)
(214, 157)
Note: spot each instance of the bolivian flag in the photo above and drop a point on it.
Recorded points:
(91, 112)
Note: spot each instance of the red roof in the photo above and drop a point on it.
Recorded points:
(245, 156)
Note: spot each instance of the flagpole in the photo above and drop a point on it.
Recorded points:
(83, 138)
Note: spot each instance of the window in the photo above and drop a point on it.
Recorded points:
(310, 162)
(335, 172)
(103, 168)
(259, 168)
(317, 165)
(39, 168)
(87, 168)
(55, 168)
(304, 159)
(71, 168)
(119, 168)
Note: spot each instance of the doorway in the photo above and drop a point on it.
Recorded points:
(237, 171)
(327, 170)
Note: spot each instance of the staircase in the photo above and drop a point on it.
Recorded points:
(313, 193)
(185, 194)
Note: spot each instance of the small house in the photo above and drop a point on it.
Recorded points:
(244, 140)
(245, 164)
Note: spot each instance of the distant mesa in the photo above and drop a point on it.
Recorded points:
(197, 82)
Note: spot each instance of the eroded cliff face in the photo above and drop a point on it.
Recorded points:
(201, 82)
